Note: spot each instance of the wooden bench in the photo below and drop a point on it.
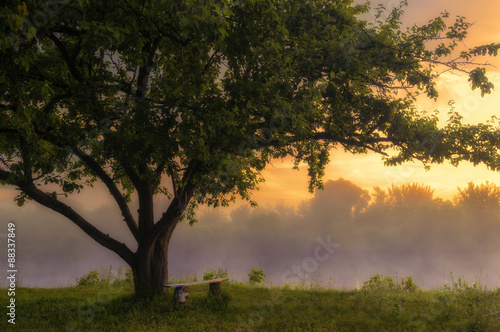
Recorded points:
(181, 293)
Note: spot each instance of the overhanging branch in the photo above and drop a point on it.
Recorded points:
(326, 137)
(54, 204)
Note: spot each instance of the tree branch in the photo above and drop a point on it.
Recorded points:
(160, 168)
(353, 142)
(115, 192)
(103, 239)
(178, 205)
(25, 154)
(66, 30)
(64, 52)
(54, 204)
(327, 137)
(133, 176)
(53, 101)
(172, 177)
(144, 72)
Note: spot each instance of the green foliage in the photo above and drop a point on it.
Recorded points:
(94, 278)
(409, 285)
(379, 282)
(462, 285)
(125, 277)
(256, 276)
(90, 279)
(215, 274)
(384, 283)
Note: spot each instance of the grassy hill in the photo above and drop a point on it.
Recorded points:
(382, 305)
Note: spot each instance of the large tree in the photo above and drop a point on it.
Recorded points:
(192, 99)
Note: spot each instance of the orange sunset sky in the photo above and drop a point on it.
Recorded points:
(367, 171)
(290, 186)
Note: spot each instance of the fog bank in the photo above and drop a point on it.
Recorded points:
(340, 238)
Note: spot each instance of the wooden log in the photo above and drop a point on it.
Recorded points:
(181, 294)
(215, 288)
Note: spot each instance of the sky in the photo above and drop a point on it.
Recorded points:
(283, 183)
(55, 252)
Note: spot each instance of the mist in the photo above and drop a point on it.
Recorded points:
(339, 238)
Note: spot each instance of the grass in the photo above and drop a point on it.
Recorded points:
(379, 306)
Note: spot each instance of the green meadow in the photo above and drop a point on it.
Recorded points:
(100, 303)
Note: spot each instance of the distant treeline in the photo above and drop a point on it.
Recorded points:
(401, 230)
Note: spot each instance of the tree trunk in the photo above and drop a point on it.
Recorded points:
(159, 266)
(142, 272)
(151, 267)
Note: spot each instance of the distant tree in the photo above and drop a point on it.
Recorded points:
(340, 200)
(410, 194)
(483, 197)
(405, 195)
(191, 100)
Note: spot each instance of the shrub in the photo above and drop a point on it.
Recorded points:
(379, 282)
(463, 286)
(93, 278)
(125, 277)
(90, 279)
(409, 285)
(214, 274)
(256, 276)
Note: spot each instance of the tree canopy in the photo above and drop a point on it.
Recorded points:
(192, 99)
(485, 196)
